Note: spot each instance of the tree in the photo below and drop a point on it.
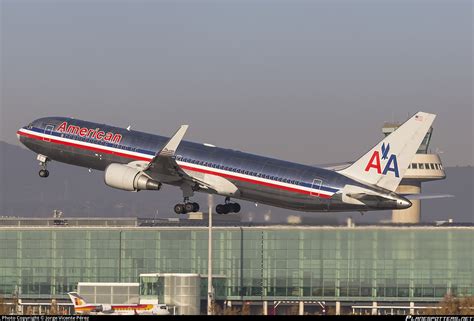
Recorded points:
(452, 305)
(54, 310)
(4, 309)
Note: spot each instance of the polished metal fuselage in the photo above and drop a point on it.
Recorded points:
(259, 179)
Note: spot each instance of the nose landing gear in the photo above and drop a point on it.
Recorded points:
(43, 173)
(43, 161)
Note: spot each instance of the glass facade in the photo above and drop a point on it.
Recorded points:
(109, 293)
(254, 263)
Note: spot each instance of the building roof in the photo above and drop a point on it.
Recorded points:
(150, 223)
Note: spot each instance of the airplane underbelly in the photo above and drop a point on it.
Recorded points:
(72, 155)
(281, 198)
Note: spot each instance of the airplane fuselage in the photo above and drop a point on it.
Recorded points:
(258, 179)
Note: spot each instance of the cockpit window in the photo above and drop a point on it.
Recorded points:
(30, 125)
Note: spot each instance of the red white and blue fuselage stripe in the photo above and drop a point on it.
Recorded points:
(141, 154)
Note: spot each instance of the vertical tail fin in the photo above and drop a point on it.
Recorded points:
(386, 163)
(76, 299)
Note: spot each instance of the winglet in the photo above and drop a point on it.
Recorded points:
(173, 143)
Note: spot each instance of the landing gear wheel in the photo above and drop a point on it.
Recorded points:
(220, 209)
(195, 207)
(179, 209)
(43, 173)
(236, 207)
(227, 209)
(188, 207)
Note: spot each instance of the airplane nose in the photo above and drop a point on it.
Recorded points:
(18, 136)
(18, 133)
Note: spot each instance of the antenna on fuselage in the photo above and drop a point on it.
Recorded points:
(129, 127)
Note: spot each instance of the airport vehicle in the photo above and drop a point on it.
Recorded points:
(134, 161)
(82, 307)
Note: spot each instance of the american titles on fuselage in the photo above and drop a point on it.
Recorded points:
(96, 133)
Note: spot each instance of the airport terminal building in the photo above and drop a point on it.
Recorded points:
(269, 268)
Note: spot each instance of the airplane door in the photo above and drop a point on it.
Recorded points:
(316, 187)
(48, 130)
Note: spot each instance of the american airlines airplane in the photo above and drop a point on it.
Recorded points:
(135, 161)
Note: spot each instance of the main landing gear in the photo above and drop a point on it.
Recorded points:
(187, 207)
(43, 163)
(228, 207)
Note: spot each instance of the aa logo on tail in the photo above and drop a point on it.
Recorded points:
(391, 164)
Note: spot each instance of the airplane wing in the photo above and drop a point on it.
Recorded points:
(165, 168)
(164, 163)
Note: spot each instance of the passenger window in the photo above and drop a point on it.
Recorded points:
(436, 165)
(427, 166)
(414, 166)
(432, 166)
(421, 166)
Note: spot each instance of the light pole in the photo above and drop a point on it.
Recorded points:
(210, 296)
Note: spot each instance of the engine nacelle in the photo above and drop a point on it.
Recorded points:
(129, 179)
(104, 308)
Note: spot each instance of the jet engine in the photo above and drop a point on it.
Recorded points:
(129, 179)
(104, 308)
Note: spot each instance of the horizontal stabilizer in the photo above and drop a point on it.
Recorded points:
(426, 196)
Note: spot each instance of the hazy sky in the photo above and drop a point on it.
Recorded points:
(308, 81)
